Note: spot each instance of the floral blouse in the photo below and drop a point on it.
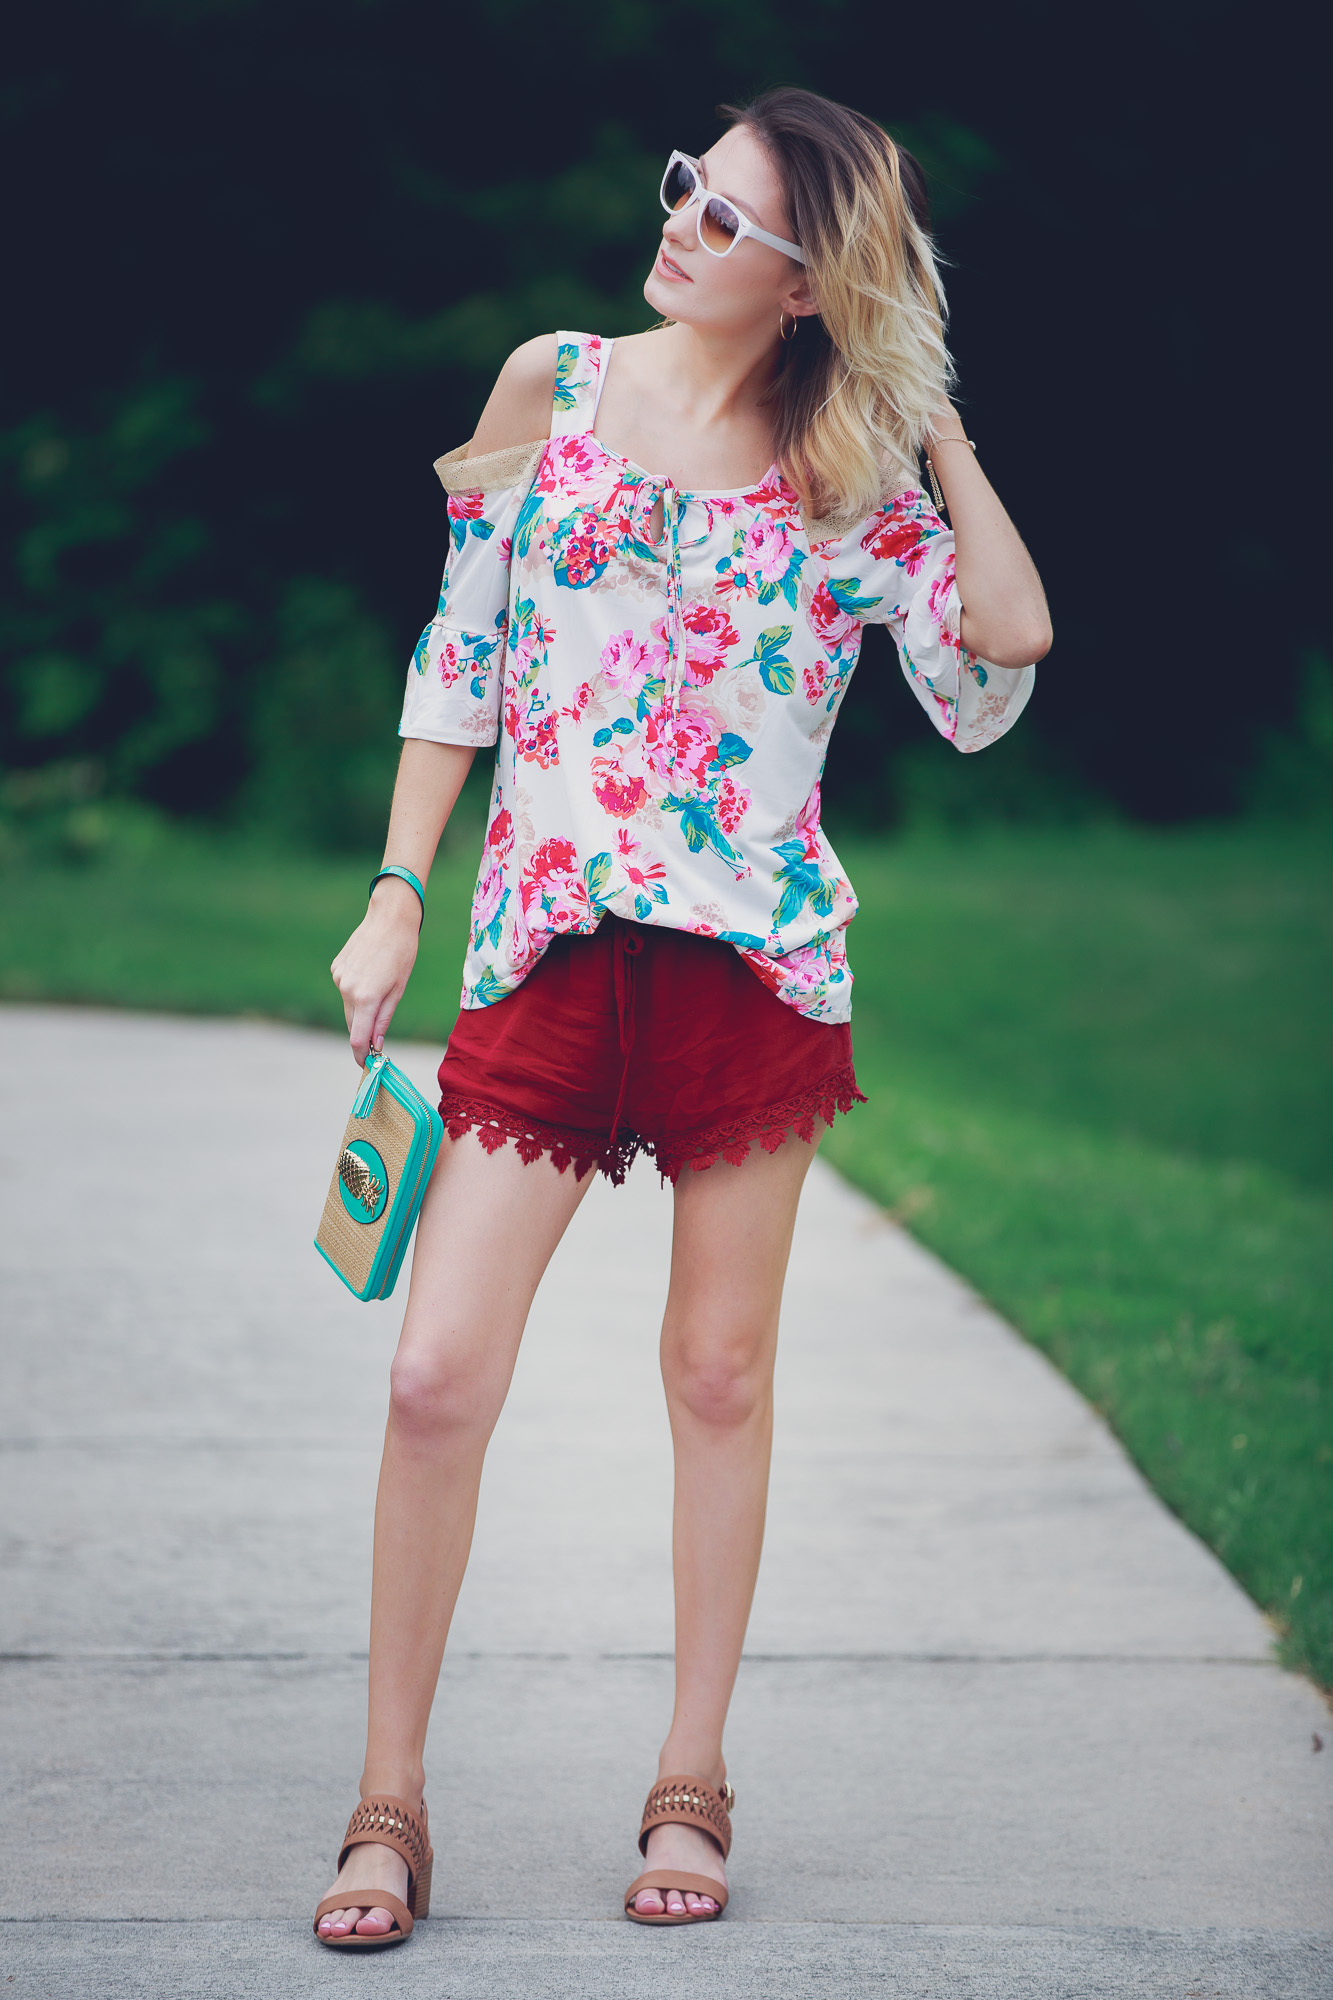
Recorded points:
(662, 684)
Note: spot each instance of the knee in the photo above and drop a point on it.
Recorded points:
(433, 1397)
(721, 1383)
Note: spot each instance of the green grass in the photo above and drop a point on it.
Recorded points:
(1100, 1086)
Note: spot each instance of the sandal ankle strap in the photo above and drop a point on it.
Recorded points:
(384, 1821)
(689, 1802)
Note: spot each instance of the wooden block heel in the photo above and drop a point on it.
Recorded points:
(420, 1900)
(384, 1822)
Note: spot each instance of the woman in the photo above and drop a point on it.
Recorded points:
(660, 564)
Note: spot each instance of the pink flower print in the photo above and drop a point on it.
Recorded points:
(618, 792)
(733, 802)
(586, 554)
(466, 506)
(573, 466)
(767, 550)
(651, 871)
(582, 696)
(626, 662)
(709, 633)
(488, 897)
(815, 681)
(773, 497)
(891, 538)
(532, 642)
(807, 824)
(827, 618)
(940, 592)
(500, 833)
(537, 743)
(692, 738)
(765, 968)
(551, 883)
(552, 856)
(452, 663)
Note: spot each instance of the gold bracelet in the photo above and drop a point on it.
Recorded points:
(930, 467)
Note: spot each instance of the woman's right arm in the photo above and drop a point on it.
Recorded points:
(373, 967)
(453, 691)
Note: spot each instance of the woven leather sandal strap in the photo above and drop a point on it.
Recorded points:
(687, 1802)
(386, 1822)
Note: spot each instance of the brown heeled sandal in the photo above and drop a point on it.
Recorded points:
(385, 1822)
(683, 1802)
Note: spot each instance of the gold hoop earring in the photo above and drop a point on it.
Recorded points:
(784, 314)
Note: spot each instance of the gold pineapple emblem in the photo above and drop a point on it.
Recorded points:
(361, 1184)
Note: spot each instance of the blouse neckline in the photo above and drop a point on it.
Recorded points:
(661, 478)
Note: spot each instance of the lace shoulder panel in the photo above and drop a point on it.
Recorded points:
(492, 472)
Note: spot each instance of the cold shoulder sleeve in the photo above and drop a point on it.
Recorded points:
(897, 569)
(453, 682)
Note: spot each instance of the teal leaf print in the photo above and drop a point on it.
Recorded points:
(701, 831)
(643, 909)
(771, 641)
(488, 988)
(746, 939)
(650, 694)
(802, 884)
(525, 526)
(786, 585)
(566, 389)
(775, 670)
(490, 933)
(422, 649)
(601, 739)
(623, 726)
(730, 750)
(596, 875)
(844, 592)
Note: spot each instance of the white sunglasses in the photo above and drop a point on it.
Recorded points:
(719, 223)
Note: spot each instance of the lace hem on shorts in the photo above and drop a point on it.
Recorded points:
(770, 1125)
(494, 1124)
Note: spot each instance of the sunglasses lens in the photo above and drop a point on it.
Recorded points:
(678, 185)
(717, 226)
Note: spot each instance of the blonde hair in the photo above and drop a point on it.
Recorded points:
(863, 378)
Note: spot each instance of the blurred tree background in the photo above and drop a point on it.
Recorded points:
(266, 257)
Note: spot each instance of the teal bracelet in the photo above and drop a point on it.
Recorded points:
(404, 875)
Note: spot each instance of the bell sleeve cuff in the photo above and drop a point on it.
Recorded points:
(900, 564)
(454, 680)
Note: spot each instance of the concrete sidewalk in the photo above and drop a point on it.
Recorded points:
(1004, 1727)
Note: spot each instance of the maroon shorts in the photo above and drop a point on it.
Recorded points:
(640, 1039)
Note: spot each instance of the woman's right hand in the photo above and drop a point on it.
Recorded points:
(373, 967)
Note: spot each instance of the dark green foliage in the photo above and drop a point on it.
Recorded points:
(275, 254)
(116, 637)
(322, 726)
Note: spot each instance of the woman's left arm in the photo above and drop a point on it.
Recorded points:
(1004, 615)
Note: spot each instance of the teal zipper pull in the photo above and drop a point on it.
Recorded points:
(370, 1084)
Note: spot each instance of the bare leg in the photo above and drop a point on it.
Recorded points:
(488, 1227)
(732, 1239)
